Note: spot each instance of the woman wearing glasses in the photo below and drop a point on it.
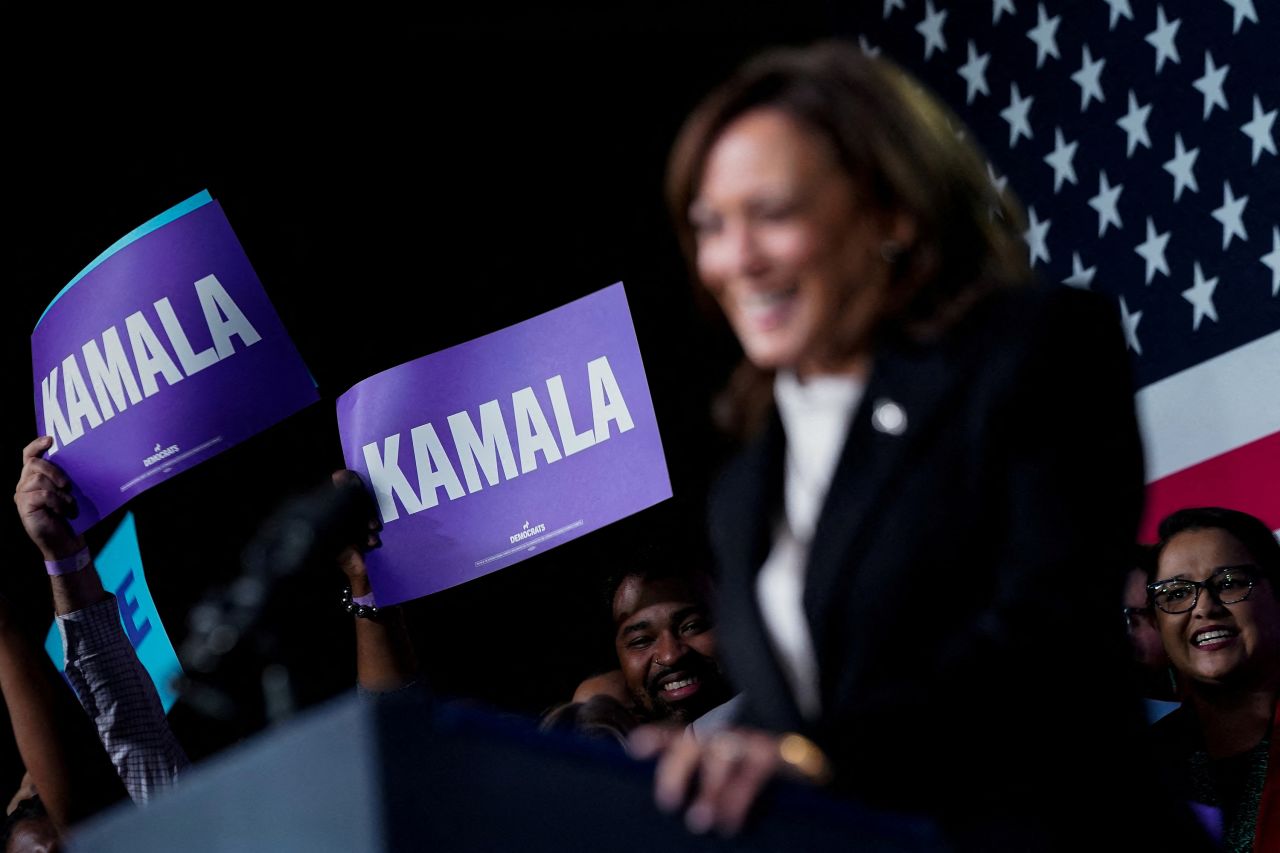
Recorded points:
(1216, 593)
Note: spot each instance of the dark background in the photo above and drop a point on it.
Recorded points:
(401, 186)
(399, 189)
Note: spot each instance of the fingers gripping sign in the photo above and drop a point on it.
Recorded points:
(351, 559)
(45, 503)
(385, 658)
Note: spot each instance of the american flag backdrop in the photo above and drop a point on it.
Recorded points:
(1141, 138)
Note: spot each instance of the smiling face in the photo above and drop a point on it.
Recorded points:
(781, 241)
(1232, 645)
(667, 647)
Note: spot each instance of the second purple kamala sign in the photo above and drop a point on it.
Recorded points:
(490, 451)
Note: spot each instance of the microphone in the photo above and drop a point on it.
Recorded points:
(306, 531)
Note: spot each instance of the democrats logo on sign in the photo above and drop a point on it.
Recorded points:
(527, 532)
(160, 454)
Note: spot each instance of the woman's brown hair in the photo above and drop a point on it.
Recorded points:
(906, 154)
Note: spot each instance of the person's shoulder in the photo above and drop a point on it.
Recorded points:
(1033, 306)
(1173, 742)
(610, 684)
(1038, 327)
(1175, 732)
(758, 460)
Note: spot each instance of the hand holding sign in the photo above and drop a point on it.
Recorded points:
(44, 500)
(351, 559)
(384, 654)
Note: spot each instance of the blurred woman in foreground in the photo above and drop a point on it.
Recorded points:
(1216, 593)
(923, 543)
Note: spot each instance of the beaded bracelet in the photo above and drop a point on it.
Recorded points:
(362, 607)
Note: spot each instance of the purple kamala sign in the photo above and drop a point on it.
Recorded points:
(164, 352)
(490, 451)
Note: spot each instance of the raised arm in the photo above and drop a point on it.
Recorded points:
(29, 698)
(384, 655)
(109, 680)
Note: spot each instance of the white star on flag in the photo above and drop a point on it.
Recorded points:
(1036, 235)
(890, 5)
(1161, 38)
(1089, 79)
(1080, 277)
(931, 29)
(1017, 114)
(1180, 167)
(1134, 124)
(1210, 85)
(1243, 9)
(974, 73)
(1061, 160)
(999, 7)
(1105, 203)
(1259, 130)
(1272, 260)
(1231, 215)
(1119, 9)
(1130, 323)
(1152, 251)
(1045, 35)
(1200, 295)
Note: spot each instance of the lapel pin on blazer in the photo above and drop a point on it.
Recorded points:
(888, 417)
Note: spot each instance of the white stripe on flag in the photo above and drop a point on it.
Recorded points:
(1211, 408)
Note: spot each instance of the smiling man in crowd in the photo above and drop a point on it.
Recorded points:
(659, 598)
(668, 673)
(666, 643)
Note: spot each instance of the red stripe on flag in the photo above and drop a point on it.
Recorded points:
(1245, 479)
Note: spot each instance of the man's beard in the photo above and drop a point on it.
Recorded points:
(712, 691)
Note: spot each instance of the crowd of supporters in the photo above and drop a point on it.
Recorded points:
(916, 565)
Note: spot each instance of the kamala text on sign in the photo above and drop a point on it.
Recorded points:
(164, 352)
(116, 380)
(545, 428)
(493, 442)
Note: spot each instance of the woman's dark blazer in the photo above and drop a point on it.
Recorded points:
(964, 582)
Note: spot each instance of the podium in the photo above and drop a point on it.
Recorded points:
(401, 772)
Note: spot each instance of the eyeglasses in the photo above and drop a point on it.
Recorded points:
(1227, 585)
(1134, 615)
